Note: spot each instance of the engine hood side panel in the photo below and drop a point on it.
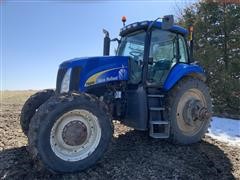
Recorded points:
(96, 70)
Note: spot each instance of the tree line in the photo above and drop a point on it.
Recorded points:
(217, 48)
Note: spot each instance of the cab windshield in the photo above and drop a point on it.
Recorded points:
(132, 45)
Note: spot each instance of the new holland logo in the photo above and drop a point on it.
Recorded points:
(113, 74)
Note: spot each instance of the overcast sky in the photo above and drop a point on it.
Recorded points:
(36, 36)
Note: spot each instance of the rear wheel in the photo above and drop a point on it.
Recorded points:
(190, 110)
(31, 106)
(70, 133)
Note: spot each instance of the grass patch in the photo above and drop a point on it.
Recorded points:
(15, 97)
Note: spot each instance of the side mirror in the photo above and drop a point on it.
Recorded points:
(106, 43)
(150, 60)
(116, 39)
(167, 22)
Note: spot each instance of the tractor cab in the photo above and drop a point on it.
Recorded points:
(153, 48)
(158, 57)
(158, 49)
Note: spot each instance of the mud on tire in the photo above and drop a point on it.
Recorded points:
(179, 96)
(40, 137)
(31, 106)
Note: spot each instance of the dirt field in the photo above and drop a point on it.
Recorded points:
(133, 155)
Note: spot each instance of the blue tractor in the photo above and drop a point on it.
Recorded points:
(152, 84)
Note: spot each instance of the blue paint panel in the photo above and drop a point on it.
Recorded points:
(93, 65)
(180, 70)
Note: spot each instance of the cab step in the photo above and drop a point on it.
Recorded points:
(155, 95)
(159, 122)
(160, 136)
(159, 129)
(156, 108)
(159, 125)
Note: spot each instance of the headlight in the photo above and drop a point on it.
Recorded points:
(66, 81)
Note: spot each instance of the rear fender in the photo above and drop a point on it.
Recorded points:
(181, 70)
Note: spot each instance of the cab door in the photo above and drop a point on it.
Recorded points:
(163, 50)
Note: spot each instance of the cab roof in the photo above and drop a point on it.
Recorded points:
(144, 25)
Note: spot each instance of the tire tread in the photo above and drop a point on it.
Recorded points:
(40, 116)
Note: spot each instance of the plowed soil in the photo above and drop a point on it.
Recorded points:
(132, 155)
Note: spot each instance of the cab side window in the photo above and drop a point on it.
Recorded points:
(182, 50)
(163, 50)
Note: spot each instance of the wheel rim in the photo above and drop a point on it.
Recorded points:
(190, 108)
(75, 135)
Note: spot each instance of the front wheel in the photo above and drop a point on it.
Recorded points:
(189, 111)
(70, 133)
(31, 106)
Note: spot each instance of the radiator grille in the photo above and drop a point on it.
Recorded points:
(74, 81)
(60, 75)
(75, 78)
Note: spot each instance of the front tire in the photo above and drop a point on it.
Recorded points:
(31, 105)
(189, 111)
(69, 133)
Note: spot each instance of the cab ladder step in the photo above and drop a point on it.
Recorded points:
(155, 95)
(159, 126)
(156, 108)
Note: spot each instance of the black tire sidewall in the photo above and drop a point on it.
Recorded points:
(176, 134)
(55, 163)
(31, 105)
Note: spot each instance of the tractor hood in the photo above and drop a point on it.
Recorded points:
(96, 70)
(95, 61)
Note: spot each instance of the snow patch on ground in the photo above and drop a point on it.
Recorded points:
(225, 130)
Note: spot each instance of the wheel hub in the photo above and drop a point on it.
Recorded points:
(74, 133)
(193, 111)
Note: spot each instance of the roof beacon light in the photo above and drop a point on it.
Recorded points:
(124, 19)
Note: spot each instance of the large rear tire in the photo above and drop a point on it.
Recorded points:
(69, 133)
(31, 106)
(189, 111)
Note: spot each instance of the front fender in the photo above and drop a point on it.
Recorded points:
(181, 70)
